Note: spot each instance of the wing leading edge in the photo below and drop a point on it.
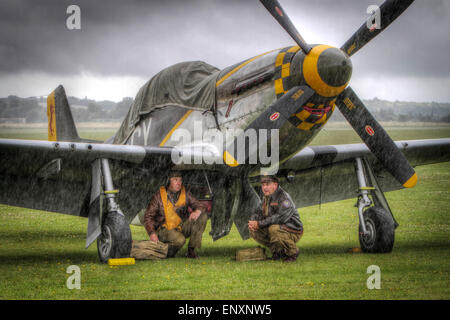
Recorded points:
(56, 176)
(320, 174)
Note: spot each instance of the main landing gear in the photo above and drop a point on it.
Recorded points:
(376, 223)
(115, 238)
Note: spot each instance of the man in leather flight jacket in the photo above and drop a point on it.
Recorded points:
(276, 223)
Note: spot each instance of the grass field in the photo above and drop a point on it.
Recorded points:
(37, 247)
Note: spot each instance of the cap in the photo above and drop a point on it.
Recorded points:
(175, 173)
(269, 178)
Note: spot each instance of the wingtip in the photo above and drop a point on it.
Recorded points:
(411, 181)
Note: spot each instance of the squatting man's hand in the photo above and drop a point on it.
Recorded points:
(195, 214)
(253, 225)
(154, 237)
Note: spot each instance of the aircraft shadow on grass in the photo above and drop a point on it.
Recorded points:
(51, 256)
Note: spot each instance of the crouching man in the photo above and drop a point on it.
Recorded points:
(167, 218)
(276, 224)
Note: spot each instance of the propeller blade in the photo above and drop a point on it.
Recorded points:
(376, 139)
(273, 117)
(274, 7)
(389, 11)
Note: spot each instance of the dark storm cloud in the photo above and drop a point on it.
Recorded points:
(142, 37)
(116, 37)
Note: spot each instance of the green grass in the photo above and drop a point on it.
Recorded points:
(37, 247)
(325, 136)
(347, 135)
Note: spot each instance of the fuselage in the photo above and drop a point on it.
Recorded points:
(246, 89)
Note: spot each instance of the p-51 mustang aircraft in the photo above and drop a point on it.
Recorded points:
(281, 98)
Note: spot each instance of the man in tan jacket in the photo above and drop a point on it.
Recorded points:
(167, 218)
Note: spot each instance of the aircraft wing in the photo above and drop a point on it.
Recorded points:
(323, 174)
(57, 176)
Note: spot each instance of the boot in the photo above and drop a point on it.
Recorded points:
(292, 258)
(171, 252)
(191, 253)
(277, 255)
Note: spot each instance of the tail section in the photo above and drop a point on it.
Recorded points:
(61, 126)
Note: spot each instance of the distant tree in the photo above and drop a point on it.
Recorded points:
(121, 109)
(445, 118)
(404, 117)
(3, 110)
(94, 108)
(95, 111)
(385, 115)
(81, 115)
(35, 115)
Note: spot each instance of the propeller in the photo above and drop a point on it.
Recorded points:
(272, 118)
(376, 138)
(353, 109)
(389, 11)
(274, 7)
(362, 121)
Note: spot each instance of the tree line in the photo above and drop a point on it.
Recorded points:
(402, 111)
(34, 110)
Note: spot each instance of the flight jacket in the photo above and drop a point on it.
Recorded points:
(281, 211)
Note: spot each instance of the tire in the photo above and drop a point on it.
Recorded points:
(115, 239)
(381, 228)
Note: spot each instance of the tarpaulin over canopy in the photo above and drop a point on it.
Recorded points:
(188, 84)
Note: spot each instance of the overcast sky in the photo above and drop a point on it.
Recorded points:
(122, 44)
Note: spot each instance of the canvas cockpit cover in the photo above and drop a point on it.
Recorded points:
(188, 84)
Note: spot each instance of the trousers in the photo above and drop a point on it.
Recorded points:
(277, 239)
(189, 229)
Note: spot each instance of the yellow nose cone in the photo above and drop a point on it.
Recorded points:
(327, 70)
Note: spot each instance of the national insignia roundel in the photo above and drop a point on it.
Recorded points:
(274, 116)
(369, 130)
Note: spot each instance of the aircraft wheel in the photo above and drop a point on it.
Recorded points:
(380, 226)
(115, 239)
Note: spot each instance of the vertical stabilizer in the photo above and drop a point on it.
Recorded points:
(61, 126)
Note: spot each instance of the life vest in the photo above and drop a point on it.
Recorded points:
(173, 220)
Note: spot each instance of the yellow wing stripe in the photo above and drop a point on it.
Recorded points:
(175, 127)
